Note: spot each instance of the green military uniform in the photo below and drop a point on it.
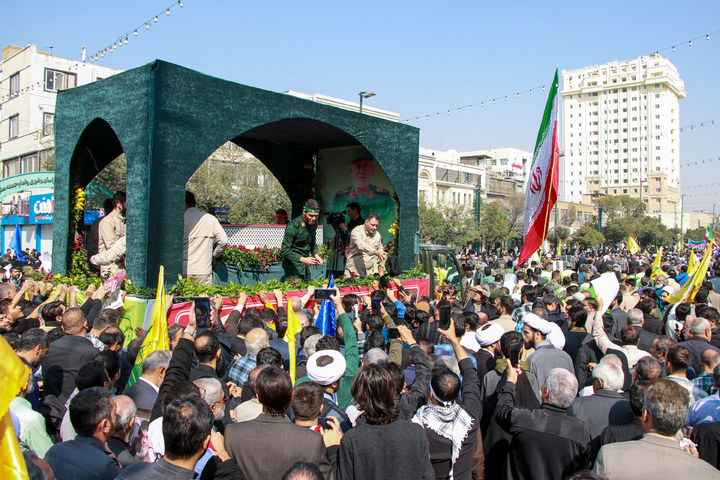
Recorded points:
(299, 241)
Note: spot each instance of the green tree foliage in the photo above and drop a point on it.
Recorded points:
(696, 234)
(588, 236)
(494, 226)
(621, 206)
(232, 179)
(453, 225)
(624, 216)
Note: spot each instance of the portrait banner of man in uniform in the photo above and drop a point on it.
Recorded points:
(351, 174)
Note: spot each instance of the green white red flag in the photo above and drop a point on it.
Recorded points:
(543, 178)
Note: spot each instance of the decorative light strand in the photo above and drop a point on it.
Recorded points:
(689, 43)
(700, 162)
(124, 38)
(530, 90)
(481, 103)
(694, 187)
(644, 138)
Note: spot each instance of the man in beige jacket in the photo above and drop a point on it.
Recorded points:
(203, 240)
(365, 247)
(112, 229)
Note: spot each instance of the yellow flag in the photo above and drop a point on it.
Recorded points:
(632, 246)
(535, 257)
(655, 268)
(156, 337)
(293, 329)
(559, 248)
(14, 374)
(689, 290)
(692, 263)
(439, 282)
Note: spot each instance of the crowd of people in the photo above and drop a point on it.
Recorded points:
(523, 374)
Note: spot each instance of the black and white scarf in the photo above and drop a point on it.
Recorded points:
(452, 422)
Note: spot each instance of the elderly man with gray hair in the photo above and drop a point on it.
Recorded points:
(699, 341)
(635, 318)
(547, 442)
(144, 392)
(606, 406)
(124, 422)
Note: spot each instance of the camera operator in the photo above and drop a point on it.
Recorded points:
(365, 248)
(353, 211)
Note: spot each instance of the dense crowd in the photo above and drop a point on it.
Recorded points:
(518, 373)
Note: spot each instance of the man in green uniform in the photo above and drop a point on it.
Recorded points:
(298, 246)
(371, 198)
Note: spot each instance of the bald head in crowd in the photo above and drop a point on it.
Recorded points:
(256, 340)
(73, 322)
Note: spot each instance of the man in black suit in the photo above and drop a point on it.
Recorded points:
(144, 392)
(67, 355)
(605, 407)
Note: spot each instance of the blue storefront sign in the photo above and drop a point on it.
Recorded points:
(41, 208)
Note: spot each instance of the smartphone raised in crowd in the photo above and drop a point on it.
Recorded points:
(375, 305)
(202, 312)
(445, 317)
(515, 354)
(323, 293)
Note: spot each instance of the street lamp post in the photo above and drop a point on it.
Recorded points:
(682, 215)
(364, 95)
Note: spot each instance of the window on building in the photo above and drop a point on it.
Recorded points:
(14, 125)
(56, 80)
(15, 85)
(48, 122)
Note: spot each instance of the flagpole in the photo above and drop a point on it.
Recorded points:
(547, 215)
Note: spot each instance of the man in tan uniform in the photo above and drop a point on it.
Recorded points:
(112, 229)
(203, 240)
(365, 248)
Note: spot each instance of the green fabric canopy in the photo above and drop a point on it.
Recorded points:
(168, 119)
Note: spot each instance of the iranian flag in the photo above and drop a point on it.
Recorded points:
(709, 237)
(542, 186)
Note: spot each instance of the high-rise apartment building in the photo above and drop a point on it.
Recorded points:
(621, 132)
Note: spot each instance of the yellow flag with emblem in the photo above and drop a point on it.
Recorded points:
(689, 290)
(156, 337)
(14, 374)
(293, 329)
(655, 269)
(632, 246)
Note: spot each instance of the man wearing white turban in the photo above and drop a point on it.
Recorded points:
(546, 355)
(326, 368)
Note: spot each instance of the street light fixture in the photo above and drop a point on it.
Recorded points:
(682, 216)
(364, 95)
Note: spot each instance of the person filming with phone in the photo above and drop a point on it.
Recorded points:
(366, 247)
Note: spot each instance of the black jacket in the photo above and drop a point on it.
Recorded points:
(416, 397)
(547, 443)
(652, 324)
(622, 433)
(697, 345)
(441, 447)
(604, 408)
(60, 367)
(178, 370)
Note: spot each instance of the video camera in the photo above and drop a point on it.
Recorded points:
(335, 219)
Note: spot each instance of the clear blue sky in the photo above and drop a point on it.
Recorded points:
(418, 57)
